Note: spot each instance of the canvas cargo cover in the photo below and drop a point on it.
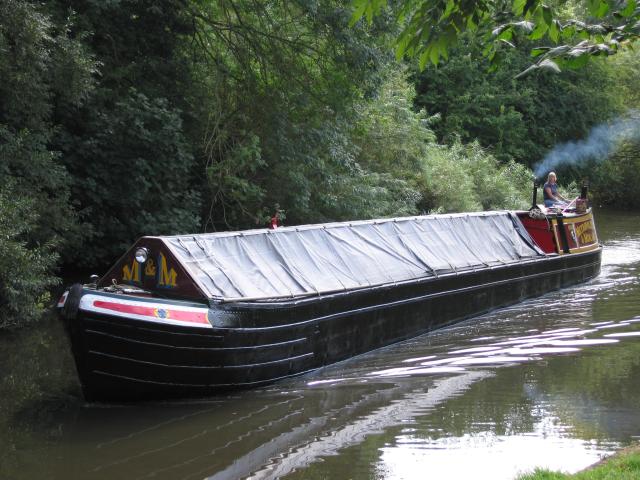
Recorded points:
(319, 259)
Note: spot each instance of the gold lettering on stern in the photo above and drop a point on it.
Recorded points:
(586, 233)
(168, 276)
(131, 274)
(150, 269)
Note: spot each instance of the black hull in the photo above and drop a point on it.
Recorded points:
(252, 344)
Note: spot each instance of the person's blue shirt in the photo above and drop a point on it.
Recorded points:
(549, 201)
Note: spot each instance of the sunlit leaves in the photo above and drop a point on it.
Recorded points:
(545, 64)
(523, 7)
(576, 56)
(592, 39)
(554, 31)
(366, 8)
(598, 8)
(629, 9)
(429, 29)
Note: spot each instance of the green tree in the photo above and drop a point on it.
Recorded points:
(127, 149)
(516, 119)
(615, 180)
(34, 79)
(132, 176)
(42, 68)
(395, 140)
(277, 85)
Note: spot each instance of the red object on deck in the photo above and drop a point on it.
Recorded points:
(541, 231)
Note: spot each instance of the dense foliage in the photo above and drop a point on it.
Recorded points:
(577, 31)
(124, 118)
(24, 265)
(518, 119)
(41, 68)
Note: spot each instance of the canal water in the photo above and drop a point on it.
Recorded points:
(552, 382)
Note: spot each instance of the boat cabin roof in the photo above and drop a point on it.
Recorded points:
(293, 262)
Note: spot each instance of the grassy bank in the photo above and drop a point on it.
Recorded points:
(624, 465)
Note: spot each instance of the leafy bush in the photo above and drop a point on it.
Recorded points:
(447, 185)
(25, 267)
(397, 142)
(34, 216)
(467, 178)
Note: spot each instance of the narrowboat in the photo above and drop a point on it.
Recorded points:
(195, 315)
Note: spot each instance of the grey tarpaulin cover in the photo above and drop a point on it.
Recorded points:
(317, 259)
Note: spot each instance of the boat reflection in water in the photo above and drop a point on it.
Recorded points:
(195, 315)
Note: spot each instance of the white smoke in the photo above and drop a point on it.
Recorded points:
(600, 143)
